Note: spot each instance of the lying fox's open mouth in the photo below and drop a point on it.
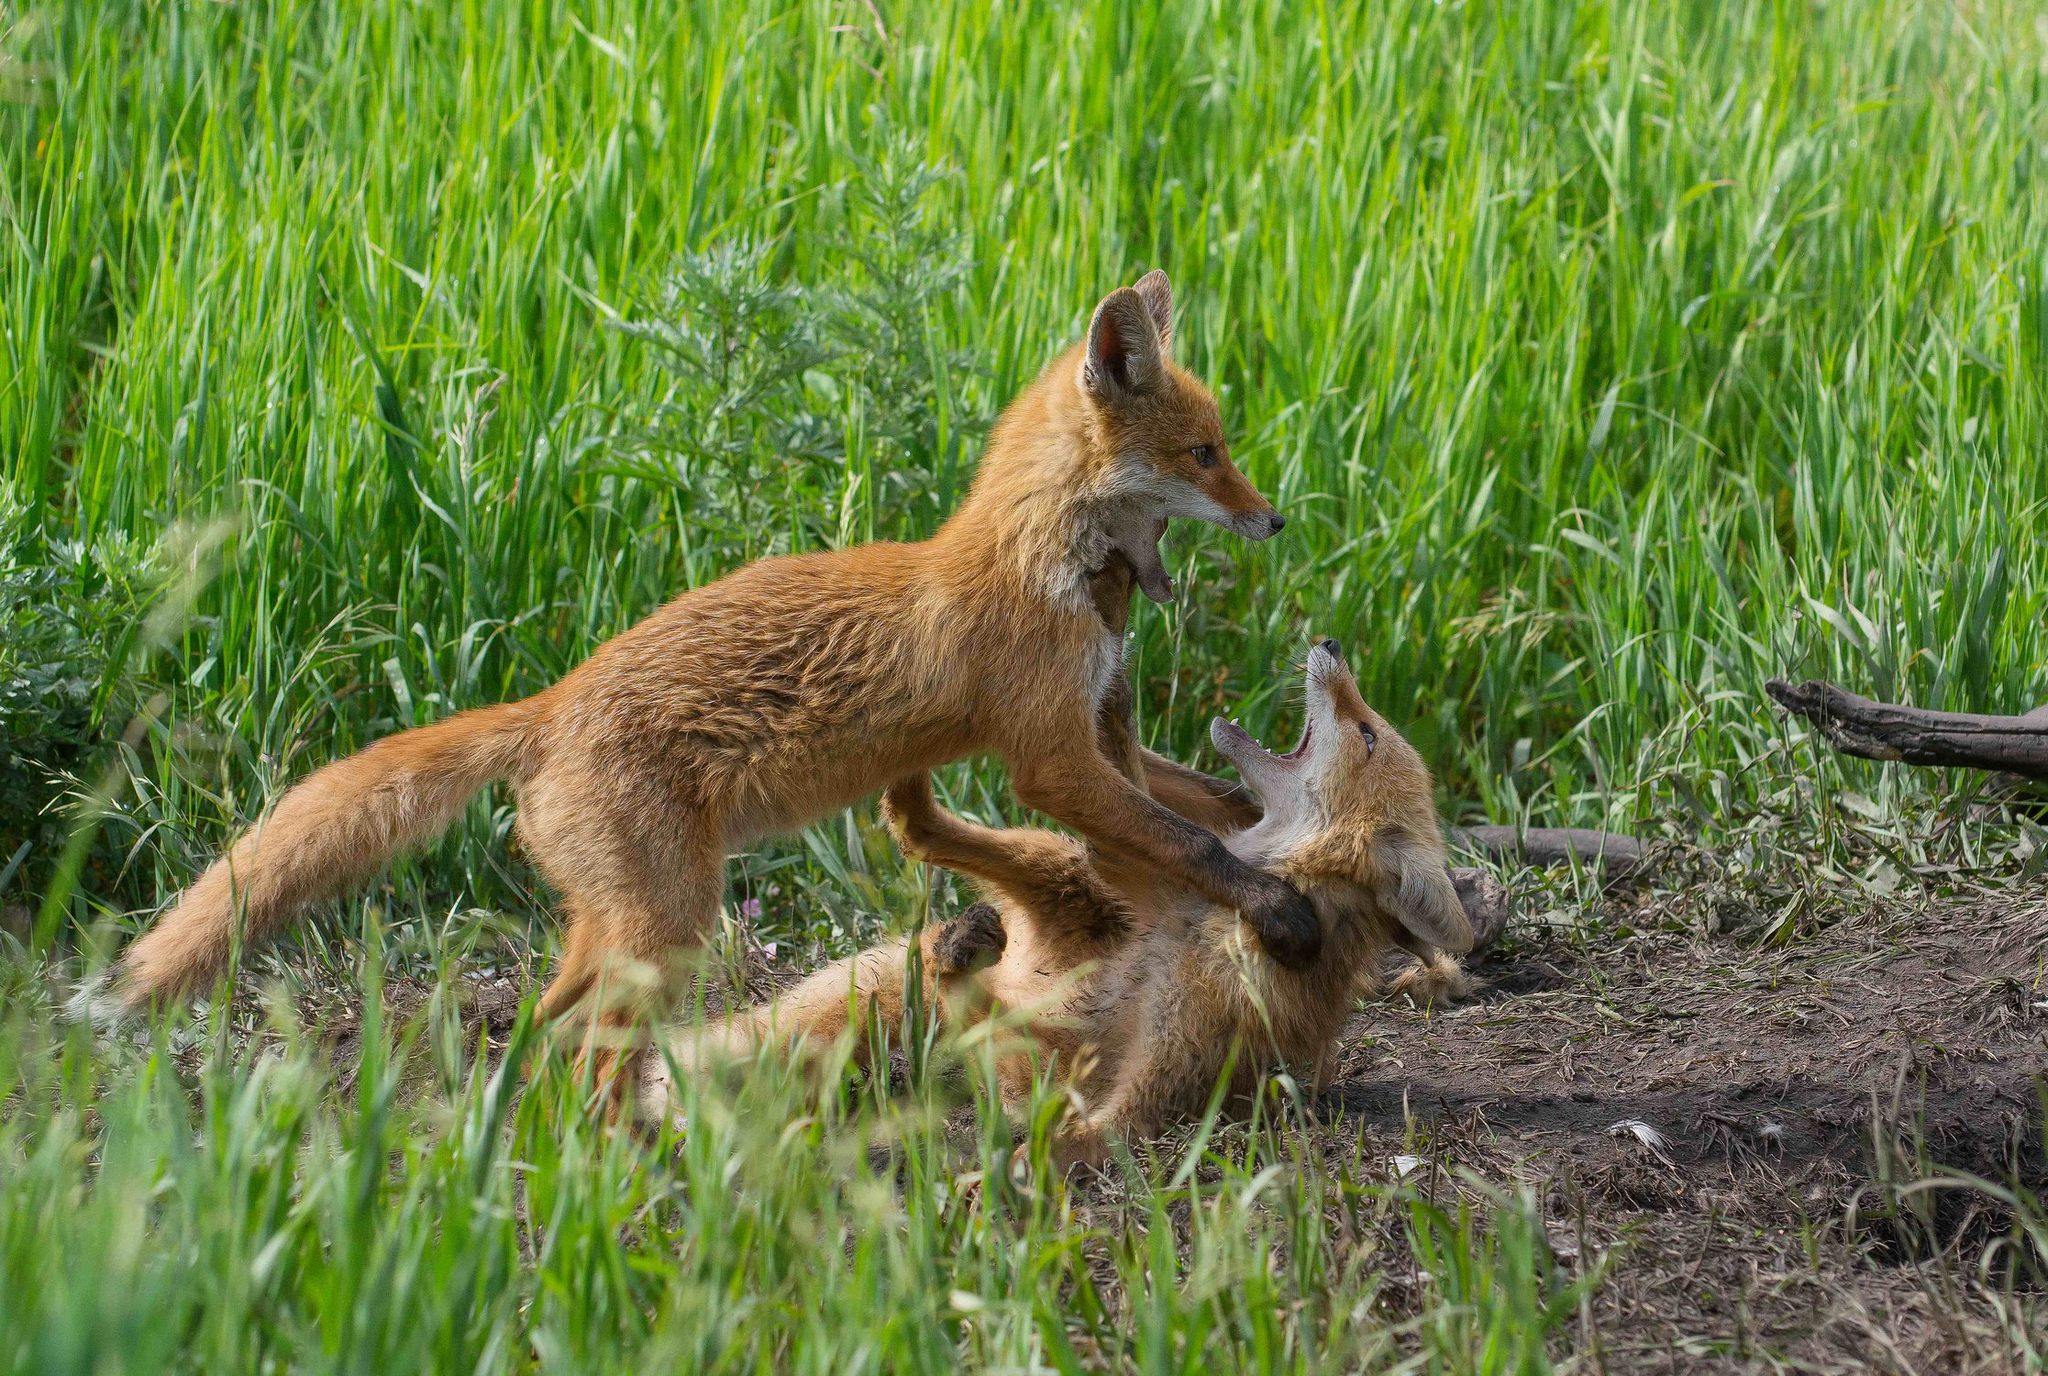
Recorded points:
(1239, 738)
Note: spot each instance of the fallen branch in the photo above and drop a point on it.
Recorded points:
(1883, 731)
(1542, 847)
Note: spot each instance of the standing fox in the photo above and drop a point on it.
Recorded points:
(1137, 988)
(797, 685)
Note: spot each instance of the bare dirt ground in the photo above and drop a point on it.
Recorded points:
(1724, 1115)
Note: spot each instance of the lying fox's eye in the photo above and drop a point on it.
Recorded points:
(1205, 457)
(1370, 739)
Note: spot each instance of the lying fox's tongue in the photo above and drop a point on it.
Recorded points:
(1141, 549)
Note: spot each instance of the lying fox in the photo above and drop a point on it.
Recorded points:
(796, 686)
(1137, 988)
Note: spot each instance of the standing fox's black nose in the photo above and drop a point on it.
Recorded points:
(1279, 521)
(1331, 648)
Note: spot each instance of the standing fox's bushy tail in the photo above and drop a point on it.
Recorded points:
(334, 829)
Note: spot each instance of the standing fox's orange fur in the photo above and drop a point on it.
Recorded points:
(797, 685)
(1136, 989)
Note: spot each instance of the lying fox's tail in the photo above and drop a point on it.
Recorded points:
(334, 829)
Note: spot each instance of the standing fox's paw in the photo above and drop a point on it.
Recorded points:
(1285, 922)
(972, 941)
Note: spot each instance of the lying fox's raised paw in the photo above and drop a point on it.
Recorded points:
(972, 941)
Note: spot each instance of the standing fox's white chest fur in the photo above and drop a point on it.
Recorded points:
(1105, 657)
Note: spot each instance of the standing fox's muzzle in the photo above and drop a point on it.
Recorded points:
(1258, 525)
(1236, 505)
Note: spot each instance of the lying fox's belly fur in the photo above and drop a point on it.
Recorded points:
(1163, 1012)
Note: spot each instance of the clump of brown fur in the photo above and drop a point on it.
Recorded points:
(794, 687)
(1136, 988)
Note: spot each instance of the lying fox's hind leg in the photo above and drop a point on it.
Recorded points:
(1204, 799)
(1048, 876)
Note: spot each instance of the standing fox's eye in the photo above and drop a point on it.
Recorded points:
(1205, 457)
(1370, 739)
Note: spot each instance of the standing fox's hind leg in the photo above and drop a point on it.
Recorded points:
(636, 893)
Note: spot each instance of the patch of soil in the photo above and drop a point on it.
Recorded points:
(1727, 1116)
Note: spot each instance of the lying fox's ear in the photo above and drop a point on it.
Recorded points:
(1417, 892)
(1124, 357)
(1158, 294)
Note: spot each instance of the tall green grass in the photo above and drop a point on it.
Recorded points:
(1607, 357)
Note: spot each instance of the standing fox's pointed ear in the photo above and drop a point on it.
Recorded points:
(1158, 294)
(1124, 357)
(1417, 892)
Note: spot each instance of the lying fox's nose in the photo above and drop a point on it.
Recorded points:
(1330, 648)
(1279, 521)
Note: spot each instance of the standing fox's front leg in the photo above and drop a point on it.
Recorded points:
(1065, 776)
(1203, 799)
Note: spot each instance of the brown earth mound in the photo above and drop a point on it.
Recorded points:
(1727, 1117)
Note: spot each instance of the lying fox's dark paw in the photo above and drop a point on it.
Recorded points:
(972, 941)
